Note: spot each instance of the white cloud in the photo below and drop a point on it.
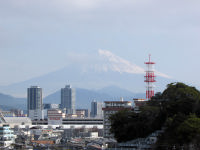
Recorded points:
(161, 74)
(121, 65)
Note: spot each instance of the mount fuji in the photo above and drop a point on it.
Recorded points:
(93, 73)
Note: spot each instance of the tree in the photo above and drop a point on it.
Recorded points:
(172, 109)
(181, 99)
(189, 130)
(135, 125)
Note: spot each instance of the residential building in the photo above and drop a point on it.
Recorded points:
(111, 107)
(48, 106)
(55, 116)
(96, 109)
(68, 99)
(2, 119)
(7, 136)
(35, 104)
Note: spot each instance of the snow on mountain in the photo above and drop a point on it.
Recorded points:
(103, 69)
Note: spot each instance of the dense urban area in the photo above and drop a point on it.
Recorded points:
(168, 120)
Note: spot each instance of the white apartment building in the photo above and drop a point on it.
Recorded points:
(6, 136)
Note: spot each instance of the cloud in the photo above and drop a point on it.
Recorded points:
(121, 65)
(161, 74)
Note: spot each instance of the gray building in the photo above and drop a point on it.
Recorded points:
(68, 97)
(112, 107)
(35, 104)
(51, 106)
(96, 109)
(48, 106)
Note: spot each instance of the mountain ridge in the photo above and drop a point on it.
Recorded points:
(103, 70)
(84, 97)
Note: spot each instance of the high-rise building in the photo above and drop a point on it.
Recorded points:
(68, 97)
(96, 109)
(35, 104)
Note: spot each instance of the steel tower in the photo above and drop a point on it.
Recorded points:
(149, 79)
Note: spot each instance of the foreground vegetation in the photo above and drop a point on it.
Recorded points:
(177, 109)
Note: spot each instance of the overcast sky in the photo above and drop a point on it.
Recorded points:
(40, 36)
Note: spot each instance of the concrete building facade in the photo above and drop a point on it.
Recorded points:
(35, 103)
(7, 136)
(55, 116)
(68, 97)
(111, 107)
(96, 109)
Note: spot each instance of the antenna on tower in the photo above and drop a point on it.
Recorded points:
(149, 79)
(149, 57)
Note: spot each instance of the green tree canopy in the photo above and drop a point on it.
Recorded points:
(172, 109)
(189, 130)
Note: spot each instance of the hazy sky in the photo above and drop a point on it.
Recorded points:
(40, 36)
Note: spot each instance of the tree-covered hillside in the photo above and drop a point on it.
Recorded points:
(177, 109)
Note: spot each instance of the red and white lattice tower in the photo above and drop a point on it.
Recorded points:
(149, 79)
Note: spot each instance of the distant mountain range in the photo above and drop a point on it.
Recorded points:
(105, 70)
(84, 97)
(9, 102)
(105, 77)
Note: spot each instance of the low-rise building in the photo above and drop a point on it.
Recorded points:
(6, 136)
(16, 121)
(48, 106)
(138, 102)
(8, 114)
(55, 116)
(82, 121)
(111, 107)
(83, 112)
